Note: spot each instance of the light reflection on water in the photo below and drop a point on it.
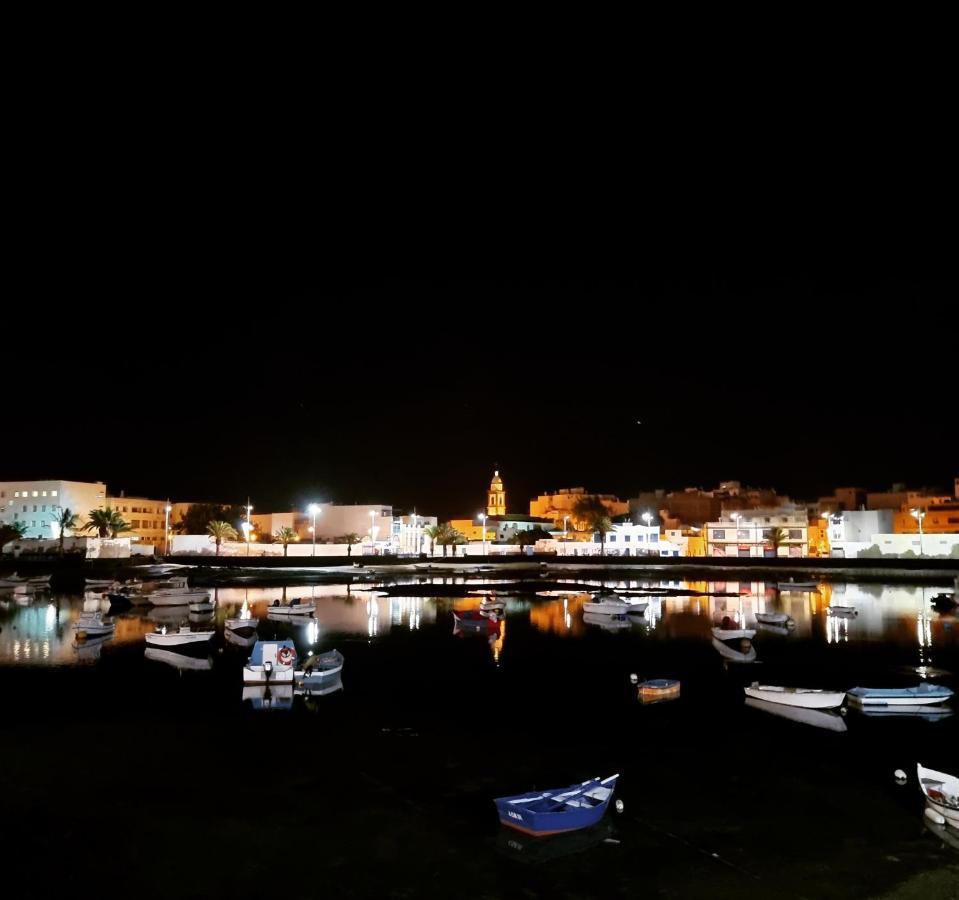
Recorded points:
(39, 631)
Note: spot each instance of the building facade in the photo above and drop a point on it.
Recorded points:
(751, 532)
(147, 519)
(496, 497)
(36, 504)
(560, 506)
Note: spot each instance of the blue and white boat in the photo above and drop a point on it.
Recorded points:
(271, 662)
(555, 811)
(921, 695)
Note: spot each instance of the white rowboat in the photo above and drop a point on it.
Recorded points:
(809, 698)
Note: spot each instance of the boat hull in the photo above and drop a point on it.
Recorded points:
(924, 695)
(818, 718)
(178, 640)
(516, 814)
(804, 698)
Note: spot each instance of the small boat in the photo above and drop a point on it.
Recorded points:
(797, 585)
(809, 698)
(742, 654)
(180, 638)
(929, 713)
(921, 695)
(178, 660)
(941, 792)
(176, 596)
(91, 624)
(294, 609)
(657, 690)
(557, 811)
(775, 618)
(271, 662)
(818, 718)
(318, 670)
(243, 625)
(614, 622)
(327, 686)
(731, 634)
(606, 605)
(525, 848)
(638, 609)
(842, 612)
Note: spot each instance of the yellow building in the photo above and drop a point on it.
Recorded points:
(496, 497)
(940, 518)
(559, 506)
(147, 519)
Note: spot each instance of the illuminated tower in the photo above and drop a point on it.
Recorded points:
(496, 497)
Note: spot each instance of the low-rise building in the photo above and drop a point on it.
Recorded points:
(940, 517)
(627, 539)
(147, 519)
(561, 506)
(36, 504)
(754, 533)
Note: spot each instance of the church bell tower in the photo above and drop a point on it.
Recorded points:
(496, 497)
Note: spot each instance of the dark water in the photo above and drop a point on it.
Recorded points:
(178, 786)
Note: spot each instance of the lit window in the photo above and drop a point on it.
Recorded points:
(36, 494)
(16, 493)
(43, 493)
(53, 493)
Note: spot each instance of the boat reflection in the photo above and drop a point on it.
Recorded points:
(738, 651)
(818, 718)
(276, 696)
(181, 661)
(945, 833)
(88, 651)
(536, 850)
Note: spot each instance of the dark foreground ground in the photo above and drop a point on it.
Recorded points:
(130, 779)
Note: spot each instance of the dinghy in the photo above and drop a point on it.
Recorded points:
(656, 690)
(271, 662)
(294, 609)
(318, 671)
(91, 624)
(739, 654)
(775, 618)
(781, 630)
(556, 811)
(809, 698)
(941, 792)
(818, 718)
(732, 634)
(180, 638)
(606, 605)
(842, 612)
(921, 695)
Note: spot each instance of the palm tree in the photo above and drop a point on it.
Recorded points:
(349, 539)
(591, 513)
(448, 535)
(284, 536)
(433, 532)
(106, 523)
(776, 537)
(65, 521)
(221, 531)
(603, 525)
(12, 531)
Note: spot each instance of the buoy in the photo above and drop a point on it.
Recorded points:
(900, 776)
(634, 678)
(619, 806)
(933, 816)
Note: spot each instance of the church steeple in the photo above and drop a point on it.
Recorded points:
(496, 497)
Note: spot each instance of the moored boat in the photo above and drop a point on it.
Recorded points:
(179, 638)
(271, 662)
(842, 612)
(743, 652)
(318, 671)
(606, 605)
(614, 622)
(91, 624)
(775, 618)
(810, 698)
(941, 792)
(556, 811)
(921, 695)
(294, 609)
(731, 634)
(656, 690)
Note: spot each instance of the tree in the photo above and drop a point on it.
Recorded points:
(433, 532)
(527, 538)
(449, 536)
(284, 536)
(12, 532)
(221, 531)
(65, 521)
(590, 512)
(776, 537)
(106, 523)
(199, 515)
(349, 539)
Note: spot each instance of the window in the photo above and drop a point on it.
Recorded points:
(612, 538)
(34, 507)
(43, 493)
(24, 509)
(43, 508)
(16, 493)
(654, 538)
(626, 538)
(53, 493)
(36, 494)
(953, 520)
(33, 524)
(742, 534)
(135, 523)
(719, 534)
(795, 534)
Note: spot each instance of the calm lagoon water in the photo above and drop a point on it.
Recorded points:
(186, 786)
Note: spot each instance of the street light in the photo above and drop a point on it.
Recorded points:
(249, 526)
(166, 529)
(647, 518)
(313, 509)
(565, 533)
(736, 517)
(918, 515)
(482, 518)
(372, 517)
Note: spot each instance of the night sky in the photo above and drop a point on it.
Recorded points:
(202, 383)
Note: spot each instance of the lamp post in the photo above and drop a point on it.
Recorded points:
(736, 517)
(647, 518)
(482, 518)
(166, 529)
(918, 515)
(372, 517)
(313, 509)
(249, 526)
(565, 534)
(414, 544)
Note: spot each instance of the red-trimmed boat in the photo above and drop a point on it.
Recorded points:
(556, 811)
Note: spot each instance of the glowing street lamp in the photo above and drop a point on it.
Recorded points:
(565, 533)
(647, 518)
(245, 527)
(313, 510)
(249, 525)
(372, 538)
(482, 518)
(918, 515)
(166, 529)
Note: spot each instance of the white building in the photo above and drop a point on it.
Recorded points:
(747, 533)
(37, 503)
(627, 539)
(408, 536)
